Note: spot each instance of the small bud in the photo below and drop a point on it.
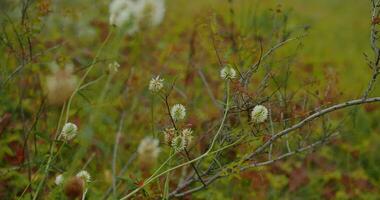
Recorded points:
(59, 179)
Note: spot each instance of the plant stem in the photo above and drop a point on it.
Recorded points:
(149, 180)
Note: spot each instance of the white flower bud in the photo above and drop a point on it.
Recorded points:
(59, 179)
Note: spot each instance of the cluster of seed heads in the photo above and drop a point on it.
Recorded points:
(178, 140)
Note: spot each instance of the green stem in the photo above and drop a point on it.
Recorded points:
(152, 178)
(167, 180)
(86, 74)
(51, 154)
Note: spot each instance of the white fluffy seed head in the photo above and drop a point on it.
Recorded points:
(156, 84)
(182, 140)
(259, 114)
(148, 149)
(152, 12)
(178, 112)
(60, 83)
(84, 175)
(228, 73)
(179, 143)
(121, 12)
(59, 179)
(136, 13)
(69, 131)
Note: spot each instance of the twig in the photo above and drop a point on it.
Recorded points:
(175, 127)
(312, 117)
(254, 67)
(220, 175)
(114, 154)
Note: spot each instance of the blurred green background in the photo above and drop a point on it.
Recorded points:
(331, 54)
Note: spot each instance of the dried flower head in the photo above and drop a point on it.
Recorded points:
(60, 84)
(74, 188)
(169, 134)
(187, 134)
(178, 112)
(228, 72)
(59, 179)
(84, 175)
(69, 131)
(259, 114)
(156, 84)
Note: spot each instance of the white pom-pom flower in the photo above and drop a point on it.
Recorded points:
(179, 144)
(59, 179)
(178, 112)
(136, 13)
(149, 148)
(84, 175)
(69, 131)
(259, 114)
(156, 84)
(61, 83)
(151, 12)
(121, 11)
(182, 141)
(228, 73)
